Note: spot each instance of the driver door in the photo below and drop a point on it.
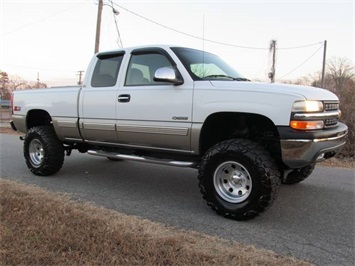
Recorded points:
(152, 114)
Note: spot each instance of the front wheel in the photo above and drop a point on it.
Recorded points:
(239, 179)
(43, 151)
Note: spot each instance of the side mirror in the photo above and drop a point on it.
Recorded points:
(167, 74)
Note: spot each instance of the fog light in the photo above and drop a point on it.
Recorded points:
(320, 157)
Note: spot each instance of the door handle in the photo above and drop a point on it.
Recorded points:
(124, 98)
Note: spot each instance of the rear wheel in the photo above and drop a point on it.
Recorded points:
(43, 151)
(238, 179)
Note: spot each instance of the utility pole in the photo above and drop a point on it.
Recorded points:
(324, 59)
(98, 26)
(37, 80)
(273, 69)
(80, 74)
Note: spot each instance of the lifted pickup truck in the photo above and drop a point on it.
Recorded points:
(184, 107)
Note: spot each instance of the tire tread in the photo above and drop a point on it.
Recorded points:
(54, 150)
(261, 158)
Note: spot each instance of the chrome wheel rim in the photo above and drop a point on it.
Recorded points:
(232, 182)
(36, 152)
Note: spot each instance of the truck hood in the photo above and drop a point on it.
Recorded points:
(307, 92)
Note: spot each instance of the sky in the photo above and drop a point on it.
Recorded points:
(54, 39)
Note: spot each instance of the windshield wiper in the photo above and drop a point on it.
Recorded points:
(225, 77)
(218, 76)
(242, 79)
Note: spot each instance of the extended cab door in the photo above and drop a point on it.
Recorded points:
(99, 98)
(150, 113)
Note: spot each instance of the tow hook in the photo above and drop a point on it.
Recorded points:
(22, 138)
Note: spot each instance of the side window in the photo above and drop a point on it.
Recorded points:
(106, 70)
(142, 68)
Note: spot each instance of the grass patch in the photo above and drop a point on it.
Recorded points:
(8, 130)
(42, 228)
(338, 162)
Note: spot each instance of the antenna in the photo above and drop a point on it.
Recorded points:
(203, 44)
(203, 32)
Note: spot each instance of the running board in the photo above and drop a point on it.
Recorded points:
(142, 159)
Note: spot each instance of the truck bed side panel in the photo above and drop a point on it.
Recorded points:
(60, 103)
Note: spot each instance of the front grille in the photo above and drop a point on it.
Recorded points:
(331, 122)
(331, 106)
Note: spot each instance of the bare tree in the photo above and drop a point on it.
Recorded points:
(9, 83)
(340, 72)
(16, 83)
(4, 80)
(340, 79)
(37, 85)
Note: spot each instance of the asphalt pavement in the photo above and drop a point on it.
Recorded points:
(314, 220)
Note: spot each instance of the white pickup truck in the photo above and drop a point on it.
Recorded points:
(184, 107)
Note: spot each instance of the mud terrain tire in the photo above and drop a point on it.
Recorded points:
(239, 179)
(43, 151)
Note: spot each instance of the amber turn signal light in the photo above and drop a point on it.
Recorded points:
(306, 125)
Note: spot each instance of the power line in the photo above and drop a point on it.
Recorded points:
(302, 63)
(98, 24)
(301, 46)
(188, 34)
(114, 13)
(41, 19)
(207, 40)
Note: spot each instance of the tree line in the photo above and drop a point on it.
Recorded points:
(339, 79)
(8, 84)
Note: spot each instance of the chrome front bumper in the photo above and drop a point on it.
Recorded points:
(299, 152)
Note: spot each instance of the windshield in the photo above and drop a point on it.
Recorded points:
(205, 66)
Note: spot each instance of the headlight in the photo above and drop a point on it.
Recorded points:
(307, 106)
